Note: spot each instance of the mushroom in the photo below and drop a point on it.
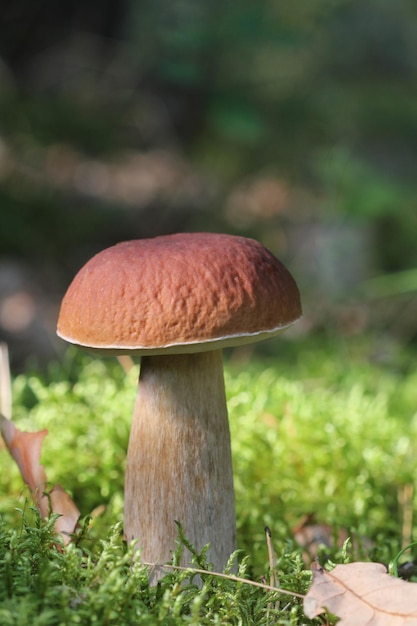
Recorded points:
(177, 301)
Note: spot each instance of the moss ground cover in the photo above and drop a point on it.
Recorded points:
(321, 430)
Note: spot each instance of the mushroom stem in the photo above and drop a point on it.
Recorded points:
(179, 464)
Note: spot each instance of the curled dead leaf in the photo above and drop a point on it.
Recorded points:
(26, 448)
(62, 503)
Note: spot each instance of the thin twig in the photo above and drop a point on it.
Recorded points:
(126, 362)
(273, 580)
(406, 497)
(272, 558)
(236, 579)
(5, 382)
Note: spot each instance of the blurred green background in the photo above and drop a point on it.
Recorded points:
(294, 123)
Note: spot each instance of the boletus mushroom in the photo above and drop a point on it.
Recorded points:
(177, 301)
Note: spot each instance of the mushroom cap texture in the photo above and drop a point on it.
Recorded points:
(178, 293)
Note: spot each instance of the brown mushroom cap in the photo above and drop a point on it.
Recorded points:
(178, 293)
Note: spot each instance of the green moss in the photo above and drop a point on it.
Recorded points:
(43, 583)
(333, 435)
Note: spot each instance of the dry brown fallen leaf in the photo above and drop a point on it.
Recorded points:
(312, 537)
(25, 448)
(362, 594)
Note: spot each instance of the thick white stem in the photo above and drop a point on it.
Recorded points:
(179, 463)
